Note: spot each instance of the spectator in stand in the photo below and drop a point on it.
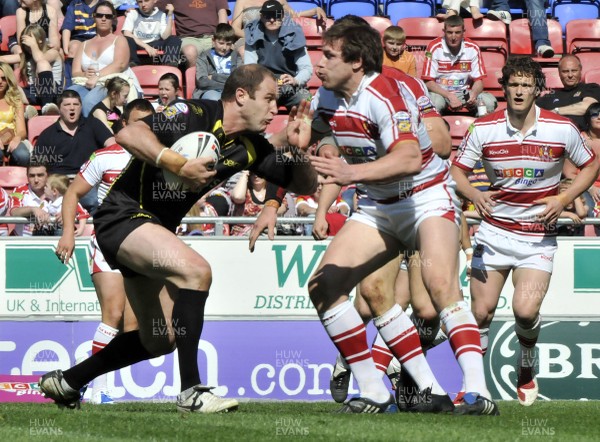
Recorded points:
(454, 71)
(452, 7)
(395, 54)
(55, 189)
(249, 196)
(67, 144)
(101, 58)
(577, 210)
(217, 203)
(592, 137)
(79, 25)
(536, 13)
(168, 86)
(41, 68)
(29, 201)
(307, 205)
(38, 12)
(13, 131)
(214, 65)
(576, 97)
(278, 43)
(150, 29)
(4, 210)
(196, 22)
(109, 109)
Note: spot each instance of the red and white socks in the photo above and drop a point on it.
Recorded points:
(465, 341)
(402, 338)
(104, 334)
(347, 331)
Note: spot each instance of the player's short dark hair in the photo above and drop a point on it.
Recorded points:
(139, 104)
(359, 42)
(169, 76)
(224, 31)
(248, 77)
(354, 19)
(523, 66)
(68, 93)
(453, 21)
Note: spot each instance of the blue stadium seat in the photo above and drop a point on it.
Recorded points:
(398, 9)
(303, 5)
(566, 10)
(339, 8)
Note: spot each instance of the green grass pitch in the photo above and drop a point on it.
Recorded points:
(264, 421)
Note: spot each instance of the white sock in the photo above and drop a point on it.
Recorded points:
(104, 334)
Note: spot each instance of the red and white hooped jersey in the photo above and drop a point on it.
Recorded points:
(374, 120)
(103, 167)
(23, 196)
(453, 72)
(522, 168)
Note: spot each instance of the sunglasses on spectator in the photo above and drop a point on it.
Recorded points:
(275, 16)
(595, 114)
(99, 15)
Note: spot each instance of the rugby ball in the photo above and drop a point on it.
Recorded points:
(193, 145)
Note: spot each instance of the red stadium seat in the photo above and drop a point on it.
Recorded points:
(420, 31)
(190, 81)
(36, 125)
(493, 68)
(148, 77)
(590, 60)
(313, 31)
(592, 76)
(488, 34)
(278, 123)
(120, 23)
(12, 176)
(8, 26)
(379, 23)
(552, 78)
(458, 127)
(582, 34)
(520, 38)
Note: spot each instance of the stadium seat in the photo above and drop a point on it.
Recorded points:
(313, 31)
(190, 82)
(12, 176)
(582, 34)
(36, 125)
(379, 23)
(120, 23)
(520, 38)
(8, 27)
(552, 78)
(278, 123)
(590, 60)
(303, 5)
(339, 8)
(231, 6)
(566, 10)
(148, 77)
(399, 9)
(420, 31)
(592, 76)
(488, 34)
(493, 69)
(458, 127)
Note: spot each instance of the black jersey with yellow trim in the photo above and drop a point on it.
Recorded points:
(143, 185)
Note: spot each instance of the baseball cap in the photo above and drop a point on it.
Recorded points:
(272, 7)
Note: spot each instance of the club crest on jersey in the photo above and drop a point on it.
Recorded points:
(545, 153)
(425, 105)
(465, 66)
(402, 120)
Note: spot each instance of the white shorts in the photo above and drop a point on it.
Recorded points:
(402, 219)
(97, 262)
(495, 251)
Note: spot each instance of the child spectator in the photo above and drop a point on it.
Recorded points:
(41, 68)
(168, 86)
(109, 109)
(150, 29)
(79, 25)
(214, 65)
(395, 54)
(55, 189)
(577, 211)
(40, 13)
